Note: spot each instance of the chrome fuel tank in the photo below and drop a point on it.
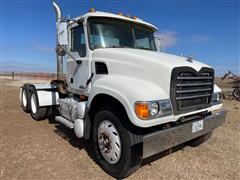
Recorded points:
(72, 109)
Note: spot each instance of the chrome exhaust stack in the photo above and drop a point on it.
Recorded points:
(57, 11)
(58, 42)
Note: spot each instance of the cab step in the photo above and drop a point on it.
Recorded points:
(64, 121)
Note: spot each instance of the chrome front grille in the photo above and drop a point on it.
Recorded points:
(191, 90)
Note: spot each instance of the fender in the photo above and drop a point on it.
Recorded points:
(47, 98)
(47, 94)
(127, 91)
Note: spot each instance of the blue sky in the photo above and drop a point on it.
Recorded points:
(207, 28)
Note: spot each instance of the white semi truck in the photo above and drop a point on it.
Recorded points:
(120, 92)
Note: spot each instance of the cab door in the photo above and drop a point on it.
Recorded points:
(78, 74)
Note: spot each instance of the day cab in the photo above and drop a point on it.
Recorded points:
(130, 99)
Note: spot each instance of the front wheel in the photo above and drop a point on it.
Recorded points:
(112, 144)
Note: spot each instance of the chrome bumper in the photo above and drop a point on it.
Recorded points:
(164, 139)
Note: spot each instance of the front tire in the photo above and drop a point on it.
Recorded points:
(117, 156)
(37, 113)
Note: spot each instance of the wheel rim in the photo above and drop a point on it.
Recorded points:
(24, 98)
(33, 103)
(109, 142)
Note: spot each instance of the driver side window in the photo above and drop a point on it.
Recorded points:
(78, 43)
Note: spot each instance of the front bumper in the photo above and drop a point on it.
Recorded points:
(164, 139)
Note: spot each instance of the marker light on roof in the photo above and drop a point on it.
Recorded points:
(135, 17)
(92, 10)
(128, 16)
(120, 13)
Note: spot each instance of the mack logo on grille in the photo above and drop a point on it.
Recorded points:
(191, 90)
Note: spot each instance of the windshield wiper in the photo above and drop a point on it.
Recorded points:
(114, 46)
(140, 47)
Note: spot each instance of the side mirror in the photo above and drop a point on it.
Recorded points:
(62, 33)
(61, 26)
(159, 41)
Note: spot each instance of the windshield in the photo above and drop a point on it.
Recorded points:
(114, 33)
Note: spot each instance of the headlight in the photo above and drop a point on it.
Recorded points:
(153, 109)
(216, 98)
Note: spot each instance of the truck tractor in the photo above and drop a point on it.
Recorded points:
(122, 94)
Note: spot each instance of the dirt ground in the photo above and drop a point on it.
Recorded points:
(47, 150)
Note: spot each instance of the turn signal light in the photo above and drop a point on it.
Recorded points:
(141, 109)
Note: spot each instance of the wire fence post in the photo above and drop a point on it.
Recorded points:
(12, 75)
(15, 75)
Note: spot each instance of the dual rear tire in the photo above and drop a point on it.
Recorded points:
(25, 98)
(30, 103)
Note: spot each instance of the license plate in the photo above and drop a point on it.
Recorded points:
(197, 126)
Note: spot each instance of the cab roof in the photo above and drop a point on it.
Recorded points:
(116, 16)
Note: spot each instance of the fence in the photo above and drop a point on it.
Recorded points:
(15, 75)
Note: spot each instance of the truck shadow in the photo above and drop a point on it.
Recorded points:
(163, 154)
(68, 135)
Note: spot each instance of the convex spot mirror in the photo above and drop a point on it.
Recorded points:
(160, 42)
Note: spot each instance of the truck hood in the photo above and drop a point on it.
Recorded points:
(150, 66)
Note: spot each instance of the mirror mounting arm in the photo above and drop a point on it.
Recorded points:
(61, 51)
